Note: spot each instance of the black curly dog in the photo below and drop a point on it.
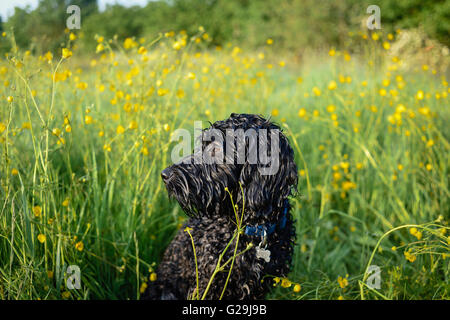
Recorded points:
(200, 189)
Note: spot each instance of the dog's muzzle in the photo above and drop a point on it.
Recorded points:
(166, 174)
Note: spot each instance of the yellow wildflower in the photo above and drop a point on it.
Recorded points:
(79, 246)
(410, 257)
(37, 210)
(316, 91)
(332, 85)
(41, 238)
(120, 129)
(166, 127)
(143, 287)
(419, 95)
(286, 283)
(66, 53)
(343, 282)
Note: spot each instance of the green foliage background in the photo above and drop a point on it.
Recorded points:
(293, 24)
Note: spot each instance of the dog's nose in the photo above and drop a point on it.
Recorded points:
(165, 174)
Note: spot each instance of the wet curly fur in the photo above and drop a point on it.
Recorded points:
(200, 191)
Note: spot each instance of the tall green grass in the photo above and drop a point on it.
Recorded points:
(95, 193)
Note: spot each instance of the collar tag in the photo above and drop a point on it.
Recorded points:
(262, 253)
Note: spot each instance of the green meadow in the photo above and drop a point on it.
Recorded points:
(85, 134)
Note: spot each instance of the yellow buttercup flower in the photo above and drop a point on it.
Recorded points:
(142, 50)
(65, 203)
(343, 282)
(420, 95)
(276, 281)
(143, 287)
(162, 92)
(144, 151)
(37, 210)
(66, 53)
(79, 246)
(133, 125)
(82, 85)
(100, 47)
(302, 112)
(41, 238)
(166, 127)
(332, 85)
(316, 91)
(88, 119)
(331, 108)
(48, 56)
(120, 129)
(409, 256)
(347, 185)
(286, 283)
(56, 131)
(180, 93)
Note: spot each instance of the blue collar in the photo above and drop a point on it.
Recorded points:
(268, 228)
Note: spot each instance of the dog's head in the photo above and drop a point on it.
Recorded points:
(246, 154)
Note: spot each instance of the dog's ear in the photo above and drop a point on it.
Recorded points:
(264, 189)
